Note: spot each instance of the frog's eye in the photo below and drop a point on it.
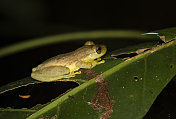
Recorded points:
(98, 50)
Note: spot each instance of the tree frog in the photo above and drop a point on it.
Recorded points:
(67, 65)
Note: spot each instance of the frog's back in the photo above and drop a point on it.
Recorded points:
(59, 60)
(67, 59)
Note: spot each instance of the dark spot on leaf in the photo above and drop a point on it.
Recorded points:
(131, 96)
(136, 78)
(126, 55)
(171, 66)
(71, 97)
(151, 91)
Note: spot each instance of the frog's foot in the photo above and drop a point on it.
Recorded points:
(78, 72)
(96, 62)
(69, 75)
(99, 61)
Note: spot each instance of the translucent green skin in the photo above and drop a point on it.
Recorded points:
(67, 65)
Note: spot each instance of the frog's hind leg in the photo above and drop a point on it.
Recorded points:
(72, 74)
(89, 64)
(83, 64)
(51, 73)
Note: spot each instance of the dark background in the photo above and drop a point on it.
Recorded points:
(23, 20)
(26, 19)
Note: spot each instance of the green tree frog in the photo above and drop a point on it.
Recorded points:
(67, 65)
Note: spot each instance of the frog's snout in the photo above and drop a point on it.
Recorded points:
(103, 49)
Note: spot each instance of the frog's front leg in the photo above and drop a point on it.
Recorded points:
(85, 64)
(95, 62)
(51, 73)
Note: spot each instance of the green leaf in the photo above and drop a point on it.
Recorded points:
(15, 113)
(133, 96)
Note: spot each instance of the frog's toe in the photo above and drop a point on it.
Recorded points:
(69, 75)
(72, 74)
(78, 72)
(98, 59)
(102, 61)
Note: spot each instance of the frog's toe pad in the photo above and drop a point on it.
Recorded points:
(102, 61)
(78, 72)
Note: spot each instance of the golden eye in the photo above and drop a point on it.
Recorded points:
(98, 50)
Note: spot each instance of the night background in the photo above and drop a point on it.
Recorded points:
(22, 20)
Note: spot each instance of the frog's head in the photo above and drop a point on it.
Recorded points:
(96, 50)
